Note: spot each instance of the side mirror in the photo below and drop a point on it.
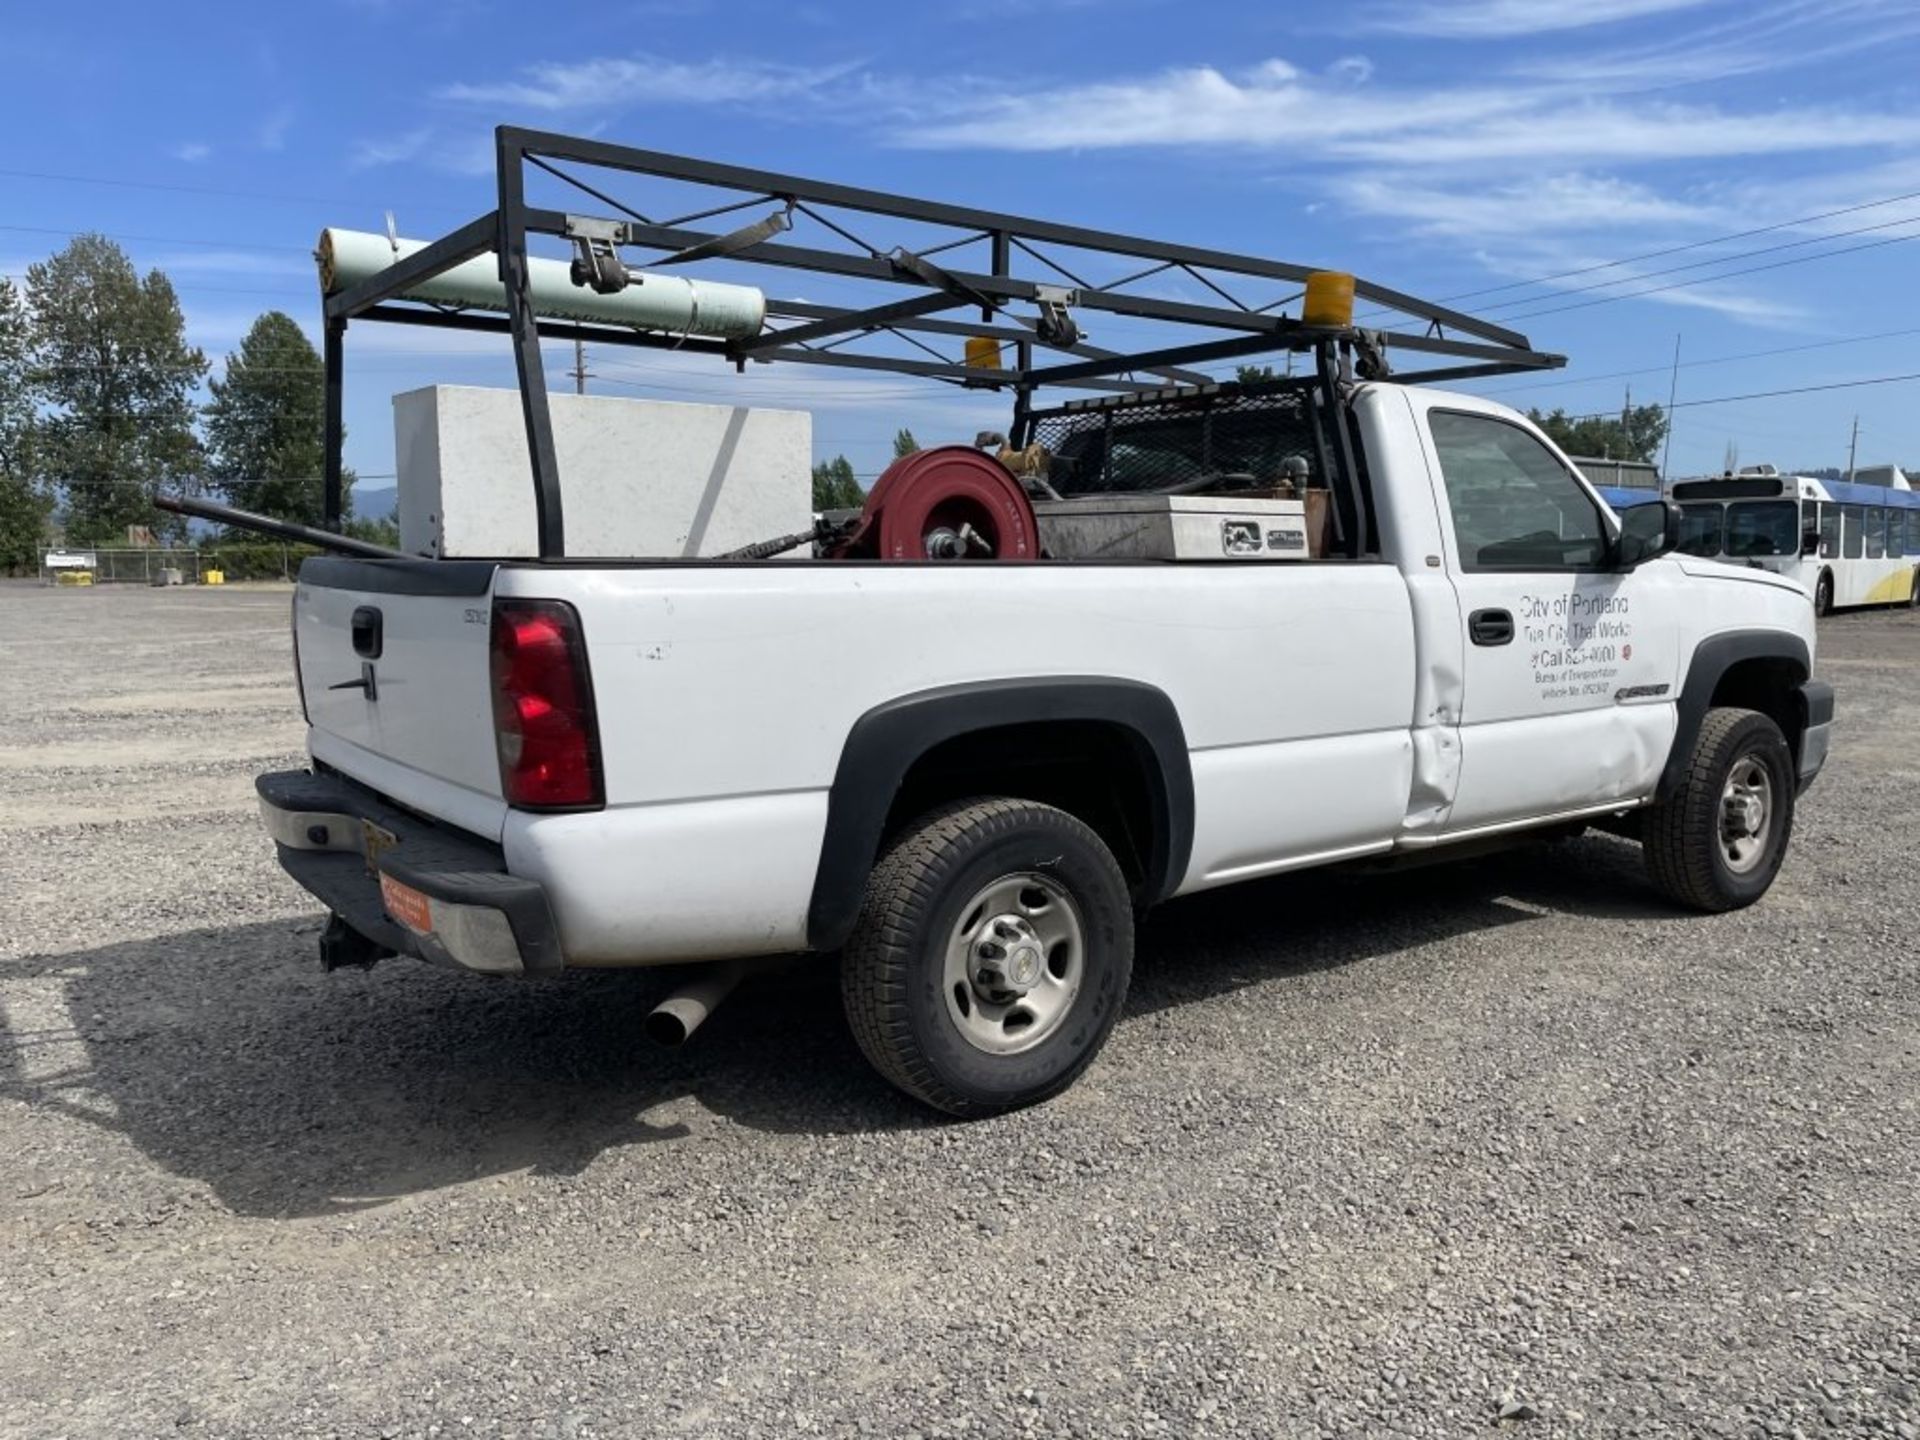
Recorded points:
(1646, 533)
(1810, 543)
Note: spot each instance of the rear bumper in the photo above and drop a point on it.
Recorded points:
(476, 915)
(1816, 698)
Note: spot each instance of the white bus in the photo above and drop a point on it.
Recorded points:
(1848, 543)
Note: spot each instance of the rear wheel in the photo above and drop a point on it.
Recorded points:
(1823, 594)
(991, 956)
(1717, 842)
(1913, 595)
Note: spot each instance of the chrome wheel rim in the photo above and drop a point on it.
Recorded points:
(1014, 963)
(1746, 814)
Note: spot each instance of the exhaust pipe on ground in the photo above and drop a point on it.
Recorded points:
(673, 1021)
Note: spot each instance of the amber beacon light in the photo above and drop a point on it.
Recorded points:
(1329, 299)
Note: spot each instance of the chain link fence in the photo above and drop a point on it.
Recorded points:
(144, 565)
(159, 565)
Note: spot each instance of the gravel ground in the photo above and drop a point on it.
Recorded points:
(1368, 1155)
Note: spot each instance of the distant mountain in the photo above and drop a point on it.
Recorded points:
(375, 502)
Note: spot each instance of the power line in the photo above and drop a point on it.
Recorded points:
(193, 289)
(1718, 260)
(1710, 279)
(1664, 366)
(177, 189)
(1767, 394)
(1680, 249)
(153, 239)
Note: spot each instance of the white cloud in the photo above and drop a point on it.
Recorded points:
(463, 152)
(192, 151)
(1557, 132)
(1528, 171)
(272, 131)
(1753, 40)
(1754, 309)
(1486, 19)
(1273, 105)
(217, 330)
(1568, 203)
(1562, 154)
(628, 82)
(230, 263)
(392, 151)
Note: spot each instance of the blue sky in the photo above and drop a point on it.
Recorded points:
(1443, 147)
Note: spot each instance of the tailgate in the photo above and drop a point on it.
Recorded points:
(393, 658)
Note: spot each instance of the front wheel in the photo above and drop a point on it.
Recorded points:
(991, 956)
(1717, 842)
(1823, 595)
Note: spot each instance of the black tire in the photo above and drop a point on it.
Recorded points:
(1687, 850)
(893, 972)
(1823, 594)
(1913, 595)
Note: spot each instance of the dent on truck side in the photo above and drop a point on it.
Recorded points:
(885, 742)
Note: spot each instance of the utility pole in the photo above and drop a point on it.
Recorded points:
(1853, 447)
(580, 376)
(1673, 389)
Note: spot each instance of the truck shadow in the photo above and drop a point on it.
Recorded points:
(227, 1058)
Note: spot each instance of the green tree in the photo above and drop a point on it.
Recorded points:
(116, 378)
(384, 531)
(1635, 433)
(265, 426)
(1255, 374)
(24, 503)
(903, 443)
(834, 487)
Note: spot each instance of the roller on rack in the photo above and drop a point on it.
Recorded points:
(671, 304)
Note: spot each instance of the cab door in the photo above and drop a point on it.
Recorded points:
(1570, 669)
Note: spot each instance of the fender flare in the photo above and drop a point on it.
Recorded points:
(1711, 660)
(885, 742)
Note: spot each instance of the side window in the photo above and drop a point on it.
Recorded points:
(1896, 534)
(1856, 535)
(1876, 533)
(1515, 507)
(1829, 530)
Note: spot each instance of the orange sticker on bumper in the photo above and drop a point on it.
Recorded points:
(406, 905)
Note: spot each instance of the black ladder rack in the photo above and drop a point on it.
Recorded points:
(1020, 278)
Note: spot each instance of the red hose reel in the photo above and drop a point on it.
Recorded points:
(946, 503)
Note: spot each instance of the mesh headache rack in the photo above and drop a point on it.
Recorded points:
(688, 256)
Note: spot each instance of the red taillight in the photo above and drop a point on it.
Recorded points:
(543, 719)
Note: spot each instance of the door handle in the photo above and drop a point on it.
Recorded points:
(366, 631)
(1490, 627)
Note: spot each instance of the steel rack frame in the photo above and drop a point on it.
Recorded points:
(1046, 346)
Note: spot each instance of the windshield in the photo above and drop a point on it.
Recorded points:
(1700, 529)
(1763, 527)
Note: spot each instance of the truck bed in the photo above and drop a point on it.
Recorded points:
(726, 693)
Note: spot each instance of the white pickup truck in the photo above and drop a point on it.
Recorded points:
(965, 780)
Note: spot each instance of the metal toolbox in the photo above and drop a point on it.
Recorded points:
(1172, 527)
